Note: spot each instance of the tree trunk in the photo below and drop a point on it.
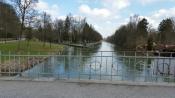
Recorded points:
(50, 44)
(21, 31)
(28, 43)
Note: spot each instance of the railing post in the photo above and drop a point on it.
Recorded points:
(19, 65)
(69, 69)
(79, 71)
(101, 64)
(174, 73)
(135, 76)
(0, 62)
(15, 64)
(100, 71)
(0, 57)
(65, 66)
(145, 67)
(90, 73)
(106, 64)
(9, 72)
(112, 66)
(169, 66)
(111, 71)
(33, 63)
(28, 64)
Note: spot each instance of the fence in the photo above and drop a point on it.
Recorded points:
(103, 65)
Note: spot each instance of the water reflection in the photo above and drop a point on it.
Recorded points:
(91, 64)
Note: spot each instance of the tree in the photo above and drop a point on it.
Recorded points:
(131, 35)
(70, 29)
(142, 27)
(89, 34)
(29, 35)
(46, 22)
(66, 28)
(59, 29)
(150, 43)
(142, 31)
(49, 31)
(9, 22)
(166, 30)
(24, 9)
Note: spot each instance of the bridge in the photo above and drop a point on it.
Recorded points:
(104, 65)
(103, 74)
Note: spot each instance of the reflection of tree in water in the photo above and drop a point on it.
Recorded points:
(78, 56)
(133, 63)
(165, 68)
(137, 64)
(47, 67)
(80, 51)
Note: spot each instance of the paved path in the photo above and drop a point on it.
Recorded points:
(61, 89)
(9, 41)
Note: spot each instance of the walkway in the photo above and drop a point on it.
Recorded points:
(62, 89)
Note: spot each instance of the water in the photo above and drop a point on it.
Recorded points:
(79, 63)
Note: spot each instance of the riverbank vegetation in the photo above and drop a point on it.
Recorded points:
(21, 21)
(9, 22)
(26, 32)
(70, 30)
(138, 35)
(34, 46)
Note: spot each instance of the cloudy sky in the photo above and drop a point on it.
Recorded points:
(107, 15)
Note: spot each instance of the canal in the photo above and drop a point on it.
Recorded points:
(103, 62)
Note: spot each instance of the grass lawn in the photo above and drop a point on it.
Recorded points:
(34, 47)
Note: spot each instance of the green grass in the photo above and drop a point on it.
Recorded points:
(34, 47)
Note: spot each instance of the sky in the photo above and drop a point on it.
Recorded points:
(108, 15)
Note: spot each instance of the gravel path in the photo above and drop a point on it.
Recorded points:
(61, 89)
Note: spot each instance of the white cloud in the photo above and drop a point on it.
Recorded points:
(153, 1)
(116, 4)
(53, 10)
(159, 15)
(61, 17)
(107, 14)
(85, 9)
(108, 22)
(148, 1)
(155, 18)
(113, 4)
(103, 12)
(87, 1)
(121, 4)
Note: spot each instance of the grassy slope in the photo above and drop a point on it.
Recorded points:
(33, 48)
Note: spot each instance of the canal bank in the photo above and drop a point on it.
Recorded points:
(83, 45)
(15, 61)
(104, 63)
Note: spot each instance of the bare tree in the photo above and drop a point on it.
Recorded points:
(9, 22)
(45, 21)
(24, 10)
(58, 26)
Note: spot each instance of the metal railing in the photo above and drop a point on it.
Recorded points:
(102, 65)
